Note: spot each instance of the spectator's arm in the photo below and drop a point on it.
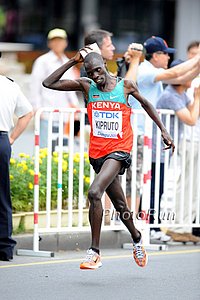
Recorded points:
(190, 114)
(133, 57)
(21, 124)
(181, 73)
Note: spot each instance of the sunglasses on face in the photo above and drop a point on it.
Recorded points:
(162, 52)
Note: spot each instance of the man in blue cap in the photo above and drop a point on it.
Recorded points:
(153, 72)
(175, 98)
(151, 75)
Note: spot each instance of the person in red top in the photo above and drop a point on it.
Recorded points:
(111, 141)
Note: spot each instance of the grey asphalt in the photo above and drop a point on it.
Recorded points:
(171, 274)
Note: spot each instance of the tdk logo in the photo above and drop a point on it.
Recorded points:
(107, 115)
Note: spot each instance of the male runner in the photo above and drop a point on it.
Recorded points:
(111, 141)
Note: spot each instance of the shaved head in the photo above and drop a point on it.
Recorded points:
(93, 59)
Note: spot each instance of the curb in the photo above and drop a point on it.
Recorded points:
(72, 241)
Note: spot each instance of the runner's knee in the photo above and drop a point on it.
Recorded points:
(94, 195)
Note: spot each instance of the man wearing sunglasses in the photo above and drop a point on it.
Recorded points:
(153, 71)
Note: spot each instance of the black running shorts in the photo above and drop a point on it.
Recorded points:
(124, 157)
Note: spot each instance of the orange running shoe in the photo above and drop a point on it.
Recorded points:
(92, 261)
(139, 254)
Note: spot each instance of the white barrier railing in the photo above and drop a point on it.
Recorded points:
(66, 219)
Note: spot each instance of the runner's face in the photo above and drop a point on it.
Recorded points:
(97, 74)
(107, 48)
(96, 71)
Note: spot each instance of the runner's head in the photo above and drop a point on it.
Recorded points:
(95, 67)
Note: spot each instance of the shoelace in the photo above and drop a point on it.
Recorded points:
(138, 251)
(89, 255)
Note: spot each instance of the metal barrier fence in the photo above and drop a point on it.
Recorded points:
(71, 215)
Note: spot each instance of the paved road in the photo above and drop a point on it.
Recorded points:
(172, 274)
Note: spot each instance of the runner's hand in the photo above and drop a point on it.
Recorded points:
(168, 141)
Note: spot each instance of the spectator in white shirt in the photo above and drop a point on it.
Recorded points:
(12, 102)
(44, 66)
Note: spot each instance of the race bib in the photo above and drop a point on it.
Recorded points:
(107, 124)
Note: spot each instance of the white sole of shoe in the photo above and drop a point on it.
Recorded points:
(99, 265)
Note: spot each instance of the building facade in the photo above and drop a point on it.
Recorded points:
(28, 21)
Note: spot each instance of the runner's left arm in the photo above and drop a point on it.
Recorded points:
(131, 89)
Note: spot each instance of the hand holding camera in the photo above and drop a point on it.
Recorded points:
(134, 51)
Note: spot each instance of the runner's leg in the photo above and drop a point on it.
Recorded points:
(103, 179)
(118, 199)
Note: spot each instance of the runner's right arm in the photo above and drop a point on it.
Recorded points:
(54, 82)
